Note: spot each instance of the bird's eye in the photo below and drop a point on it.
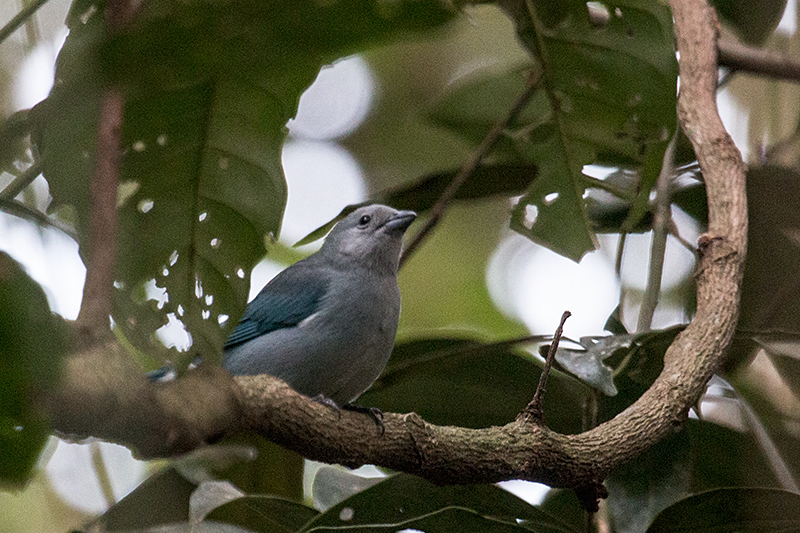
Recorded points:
(364, 220)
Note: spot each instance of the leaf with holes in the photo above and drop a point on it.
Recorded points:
(201, 177)
(607, 95)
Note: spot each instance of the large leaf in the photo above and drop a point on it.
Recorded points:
(161, 499)
(754, 22)
(744, 510)
(32, 341)
(402, 500)
(461, 382)
(642, 488)
(608, 94)
(266, 514)
(202, 183)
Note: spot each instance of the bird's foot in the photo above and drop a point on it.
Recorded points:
(374, 412)
(324, 400)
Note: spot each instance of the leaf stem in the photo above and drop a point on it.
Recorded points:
(470, 166)
(534, 412)
(20, 182)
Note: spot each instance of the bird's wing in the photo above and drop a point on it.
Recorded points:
(291, 297)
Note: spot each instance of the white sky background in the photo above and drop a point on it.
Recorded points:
(323, 177)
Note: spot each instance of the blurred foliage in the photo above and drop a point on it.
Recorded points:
(210, 87)
(29, 362)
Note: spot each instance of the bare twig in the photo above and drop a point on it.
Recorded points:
(735, 55)
(19, 19)
(659, 246)
(20, 182)
(534, 412)
(469, 167)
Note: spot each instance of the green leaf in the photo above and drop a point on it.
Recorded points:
(462, 382)
(642, 488)
(32, 342)
(754, 22)
(448, 519)
(607, 95)
(201, 177)
(262, 513)
(405, 501)
(162, 499)
(734, 509)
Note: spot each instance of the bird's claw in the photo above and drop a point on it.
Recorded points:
(374, 412)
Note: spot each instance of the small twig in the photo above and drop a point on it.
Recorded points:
(469, 167)
(20, 182)
(534, 412)
(101, 471)
(768, 63)
(659, 246)
(19, 19)
(20, 210)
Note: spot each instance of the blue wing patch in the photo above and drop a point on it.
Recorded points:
(291, 297)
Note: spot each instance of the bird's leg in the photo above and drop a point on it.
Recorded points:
(324, 400)
(374, 412)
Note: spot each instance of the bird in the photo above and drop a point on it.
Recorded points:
(326, 325)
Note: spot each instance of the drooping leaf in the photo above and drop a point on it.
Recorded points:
(161, 499)
(733, 509)
(32, 342)
(405, 501)
(461, 382)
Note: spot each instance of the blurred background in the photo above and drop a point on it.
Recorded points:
(361, 129)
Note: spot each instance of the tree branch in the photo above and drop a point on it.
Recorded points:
(469, 168)
(737, 56)
(102, 393)
(96, 306)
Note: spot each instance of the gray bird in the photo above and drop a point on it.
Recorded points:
(326, 325)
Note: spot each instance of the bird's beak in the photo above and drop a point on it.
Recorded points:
(401, 221)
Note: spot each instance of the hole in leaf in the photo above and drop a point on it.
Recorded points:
(550, 198)
(161, 140)
(206, 314)
(139, 146)
(202, 216)
(173, 258)
(531, 214)
(215, 243)
(145, 205)
(209, 299)
(346, 514)
(598, 14)
(240, 273)
(221, 319)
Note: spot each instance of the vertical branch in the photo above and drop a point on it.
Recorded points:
(93, 319)
(658, 249)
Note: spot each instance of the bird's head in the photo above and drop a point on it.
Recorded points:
(370, 236)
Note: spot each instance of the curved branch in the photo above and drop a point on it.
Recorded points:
(113, 400)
